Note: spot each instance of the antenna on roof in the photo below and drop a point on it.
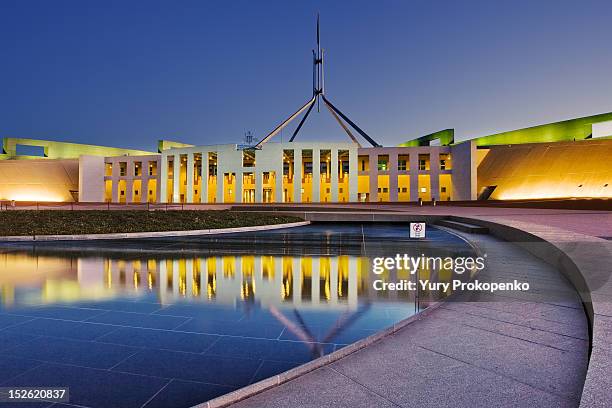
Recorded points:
(248, 141)
(318, 93)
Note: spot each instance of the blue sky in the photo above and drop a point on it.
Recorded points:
(128, 73)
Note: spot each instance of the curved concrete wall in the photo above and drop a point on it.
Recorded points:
(548, 170)
(39, 180)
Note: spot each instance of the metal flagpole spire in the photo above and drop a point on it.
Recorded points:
(318, 94)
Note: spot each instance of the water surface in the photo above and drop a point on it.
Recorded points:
(175, 322)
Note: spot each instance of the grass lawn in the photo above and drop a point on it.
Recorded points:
(56, 222)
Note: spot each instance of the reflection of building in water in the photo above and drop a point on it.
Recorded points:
(310, 281)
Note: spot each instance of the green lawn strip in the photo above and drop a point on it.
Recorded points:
(24, 222)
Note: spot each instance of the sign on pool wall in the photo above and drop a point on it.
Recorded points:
(417, 230)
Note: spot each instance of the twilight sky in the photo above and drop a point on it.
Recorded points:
(127, 73)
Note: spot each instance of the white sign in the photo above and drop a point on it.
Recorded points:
(417, 230)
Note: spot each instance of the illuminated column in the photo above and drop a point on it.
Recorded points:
(297, 176)
(204, 186)
(162, 188)
(392, 176)
(203, 274)
(334, 175)
(333, 280)
(278, 274)
(163, 280)
(258, 185)
(352, 284)
(115, 182)
(353, 175)
(129, 181)
(238, 187)
(189, 190)
(176, 279)
(297, 280)
(278, 179)
(373, 159)
(176, 178)
(129, 187)
(414, 176)
(434, 173)
(316, 175)
(315, 280)
(223, 166)
(189, 276)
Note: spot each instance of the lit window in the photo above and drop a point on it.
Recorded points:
(423, 189)
(401, 165)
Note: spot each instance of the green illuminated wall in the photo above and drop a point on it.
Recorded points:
(567, 130)
(446, 137)
(61, 150)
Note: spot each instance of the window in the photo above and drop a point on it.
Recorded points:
(135, 192)
(404, 190)
(379, 190)
(122, 192)
(363, 165)
(443, 189)
(401, 165)
(152, 168)
(383, 162)
(345, 167)
(137, 169)
(308, 168)
(122, 168)
(445, 162)
(108, 169)
(150, 192)
(340, 190)
(423, 161)
(385, 190)
(327, 190)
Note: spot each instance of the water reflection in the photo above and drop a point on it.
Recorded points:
(301, 281)
(210, 316)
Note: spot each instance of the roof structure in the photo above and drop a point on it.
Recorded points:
(318, 95)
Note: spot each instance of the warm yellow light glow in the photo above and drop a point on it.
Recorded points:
(34, 196)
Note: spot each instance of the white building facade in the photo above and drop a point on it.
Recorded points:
(293, 172)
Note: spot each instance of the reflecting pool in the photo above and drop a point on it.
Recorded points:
(175, 322)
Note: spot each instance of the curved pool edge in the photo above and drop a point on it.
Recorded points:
(148, 234)
(271, 382)
(583, 260)
(575, 266)
(276, 380)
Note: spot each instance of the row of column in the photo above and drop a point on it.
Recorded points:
(224, 167)
(392, 172)
(228, 287)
